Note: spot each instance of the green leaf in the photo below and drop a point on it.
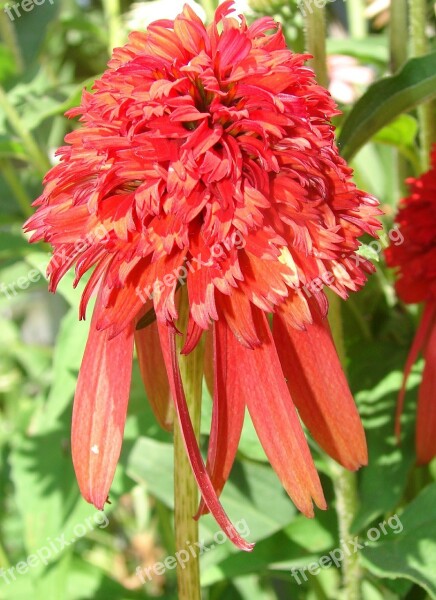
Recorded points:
(300, 543)
(253, 493)
(410, 553)
(47, 497)
(400, 133)
(70, 346)
(387, 99)
(383, 481)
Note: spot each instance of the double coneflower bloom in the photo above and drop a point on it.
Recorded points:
(415, 261)
(207, 157)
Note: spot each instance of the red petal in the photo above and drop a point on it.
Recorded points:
(320, 390)
(100, 407)
(154, 375)
(168, 343)
(426, 417)
(227, 416)
(209, 371)
(237, 311)
(193, 336)
(418, 343)
(259, 378)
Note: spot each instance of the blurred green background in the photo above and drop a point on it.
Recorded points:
(48, 54)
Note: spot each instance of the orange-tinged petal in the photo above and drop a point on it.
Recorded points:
(320, 390)
(259, 379)
(99, 413)
(227, 415)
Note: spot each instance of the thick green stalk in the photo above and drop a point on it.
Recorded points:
(345, 482)
(36, 157)
(398, 32)
(345, 485)
(419, 47)
(112, 11)
(185, 487)
(357, 19)
(315, 42)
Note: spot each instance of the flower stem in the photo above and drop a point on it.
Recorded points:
(357, 19)
(185, 486)
(345, 482)
(316, 42)
(398, 32)
(112, 10)
(345, 485)
(39, 160)
(418, 34)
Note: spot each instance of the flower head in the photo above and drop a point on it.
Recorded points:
(206, 157)
(415, 262)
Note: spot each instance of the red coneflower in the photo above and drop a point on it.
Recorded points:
(207, 157)
(415, 260)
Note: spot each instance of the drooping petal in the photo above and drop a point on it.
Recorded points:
(426, 416)
(418, 344)
(100, 407)
(320, 390)
(168, 342)
(154, 374)
(259, 379)
(227, 415)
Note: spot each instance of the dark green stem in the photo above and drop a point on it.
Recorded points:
(316, 42)
(426, 112)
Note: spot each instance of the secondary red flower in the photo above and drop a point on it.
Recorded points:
(206, 157)
(415, 261)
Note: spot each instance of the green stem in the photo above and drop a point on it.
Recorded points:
(185, 486)
(356, 18)
(345, 485)
(8, 35)
(398, 32)
(11, 178)
(419, 47)
(316, 42)
(112, 10)
(345, 482)
(39, 160)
